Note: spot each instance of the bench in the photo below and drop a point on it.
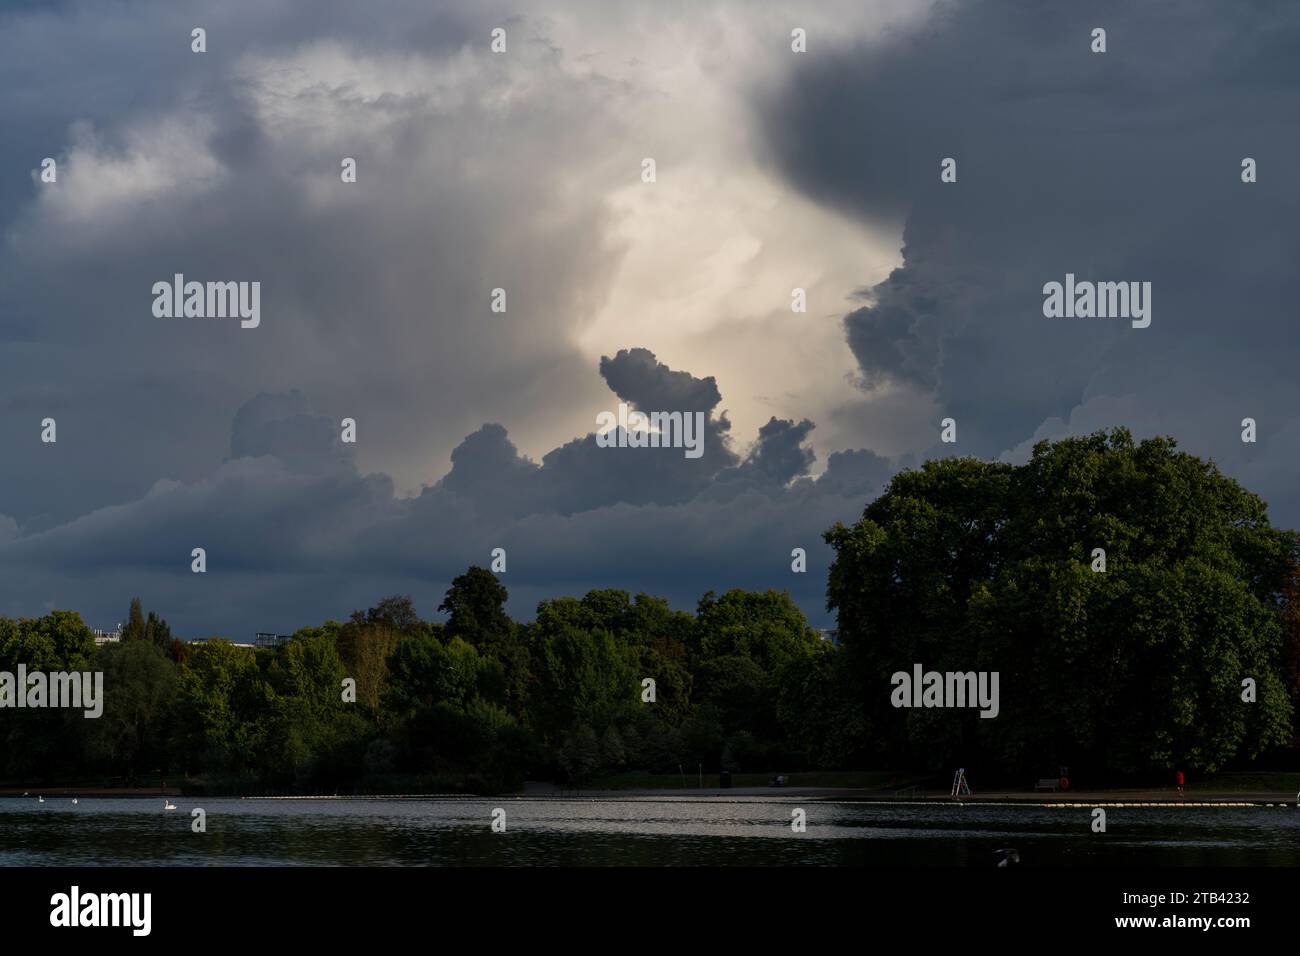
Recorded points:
(1046, 784)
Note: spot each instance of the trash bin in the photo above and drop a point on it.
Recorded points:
(724, 779)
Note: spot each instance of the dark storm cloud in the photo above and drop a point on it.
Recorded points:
(637, 377)
(488, 470)
(184, 434)
(579, 476)
(187, 433)
(860, 472)
(294, 533)
(778, 455)
(285, 426)
(225, 165)
(1117, 166)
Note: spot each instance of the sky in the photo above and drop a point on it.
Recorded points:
(523, 170)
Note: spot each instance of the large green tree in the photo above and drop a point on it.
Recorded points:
(654, 637)
(476, 609)
(315, 738)
(582, 678)
(364, 650)
(476, 613)
(39, 744)
(222, 701)
(133, 735)
(966, 565)
(745, 645)
(152, 629)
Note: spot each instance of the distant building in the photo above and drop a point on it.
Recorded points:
(260, 639)
(107, 637)
(204, 640)
(266, 639)
(829, 634)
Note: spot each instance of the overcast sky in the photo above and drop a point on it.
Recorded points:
(522, 170)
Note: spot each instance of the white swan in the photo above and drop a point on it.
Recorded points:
(168, 805)
(74, 799)
(40, 799)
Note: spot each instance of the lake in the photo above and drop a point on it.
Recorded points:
(636, 831)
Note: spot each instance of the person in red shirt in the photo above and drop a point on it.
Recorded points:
(1178, 778)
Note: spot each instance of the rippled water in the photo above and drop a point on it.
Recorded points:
(639, 831)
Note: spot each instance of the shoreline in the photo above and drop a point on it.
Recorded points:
(1090, 798)
(1116, 797)
(36, 790)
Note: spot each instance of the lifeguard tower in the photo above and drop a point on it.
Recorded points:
(960, 788)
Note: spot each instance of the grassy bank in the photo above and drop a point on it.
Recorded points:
(886, 780)
(856, 779)
(1249, 782)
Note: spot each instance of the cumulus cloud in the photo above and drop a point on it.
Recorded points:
(291, 527)
(475, 171)
(776, 171)
(285, 426)
(1117, 166)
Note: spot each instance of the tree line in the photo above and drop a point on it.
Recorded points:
(478, 702)
(960, 565)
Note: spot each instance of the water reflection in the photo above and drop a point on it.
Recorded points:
(640, 832)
